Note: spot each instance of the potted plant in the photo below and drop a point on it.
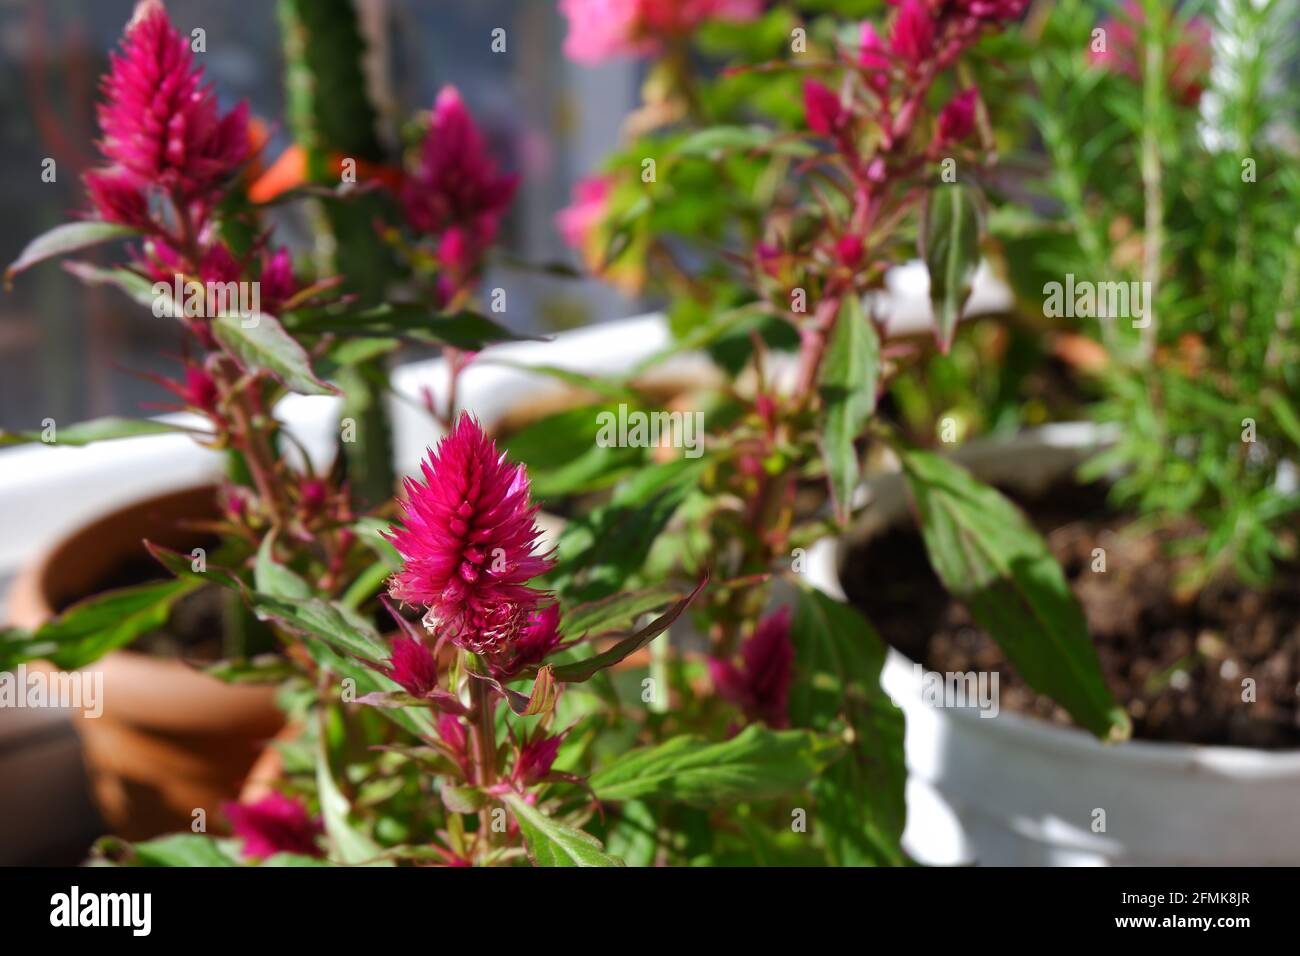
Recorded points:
(172, 740)
(1175, 516)
(496, 705)
(461, 695)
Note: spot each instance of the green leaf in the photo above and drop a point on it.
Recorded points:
(1284, 414)
(632, 834)
(849, 377)
(89, 629)
(715, 142)
(606, 387)
(860, 798)
(586, 669)
(312, 615)
(97, 429)
(260, 343)
(950, 248)
(462, 330)
(182, 565)
(273, 578)
(616, 611)
(990, 557)
(756, 764)
(180, 849)
(348, 844)
(137, 287)
(462, 799)
(599, 551)
(540, 699)
(551, 843)
(328, 629)
(563, 456)
(370, 531)
(293, 859)
(69, 237)
(262, 669)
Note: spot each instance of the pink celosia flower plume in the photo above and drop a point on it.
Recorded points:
(601, 29)
(578, 221)
(535, 758)
(161, 126)
(412, 666)
(457, 194)
(912, 39)
(760, 686)
(274, 824)
(467, 540)
(1189, 61)
(957, 118)
(536, 640)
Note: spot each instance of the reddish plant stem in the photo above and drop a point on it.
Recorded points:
(243, 399)
(813, 348)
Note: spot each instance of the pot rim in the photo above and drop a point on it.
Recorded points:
(29, 591)
(1016, 729)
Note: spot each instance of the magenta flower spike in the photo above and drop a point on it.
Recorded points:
(823, 111)
(873, 57)
(117, 197)
(578, 221)
(535, 759)
(457, 193)
(603, 29)
(957, 118)
(467, 539)
(160, 125)
(538, 638)
(274, 824)
(913, 37)
(1189, 62)
(412, 666)
(760, 686)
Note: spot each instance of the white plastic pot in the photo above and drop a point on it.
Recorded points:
(1012, 790)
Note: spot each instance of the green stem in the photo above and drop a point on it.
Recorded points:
(1152, 190)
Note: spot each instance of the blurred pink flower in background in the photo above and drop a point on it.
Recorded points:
(274, 824)
(578, 221)
(160, 125)
(872, 56)
(602, 29)
(912, 39)
(957, 118)
(278, 282)
(823, 110)
(760, 686)
(457, 194)
(117, 197)
(849, 249)
(1189, 59)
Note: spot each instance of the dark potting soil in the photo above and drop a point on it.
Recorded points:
(1176, 662)
(196, 624)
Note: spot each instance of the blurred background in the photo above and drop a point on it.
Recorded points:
(68, 351)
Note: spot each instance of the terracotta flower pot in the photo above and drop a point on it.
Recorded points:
(170, 740)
